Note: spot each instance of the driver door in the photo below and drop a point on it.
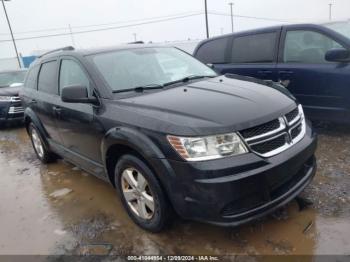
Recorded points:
(80, 131)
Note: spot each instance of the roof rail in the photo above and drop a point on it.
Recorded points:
(66, 48)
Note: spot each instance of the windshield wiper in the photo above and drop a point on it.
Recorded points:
(186, 79)
(140, 88)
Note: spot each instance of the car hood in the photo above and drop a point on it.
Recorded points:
(212, 106)
(10, 91)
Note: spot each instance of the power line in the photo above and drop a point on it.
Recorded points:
(101, 29)
(103, 24)
(135, 24)
(250, 17)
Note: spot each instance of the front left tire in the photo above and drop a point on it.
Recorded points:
(142, 194)
(40, 149)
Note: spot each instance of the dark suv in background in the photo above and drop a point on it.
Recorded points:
(169, 133)
(312, 61)
(11, 109)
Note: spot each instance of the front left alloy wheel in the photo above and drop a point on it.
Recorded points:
(142, 194)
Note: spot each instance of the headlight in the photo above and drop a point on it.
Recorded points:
(5, 98)
(209, 147)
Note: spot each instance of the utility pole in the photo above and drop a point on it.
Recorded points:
(13, 39)
(222, 30)
(206, 17)
(330, 12)
(71, 35)
(231, 7)
(135, 37)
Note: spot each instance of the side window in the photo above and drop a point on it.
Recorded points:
(47, 78)
(259, 48)
(32, 75)
(213, 51)
(307, 47)
(71, 73)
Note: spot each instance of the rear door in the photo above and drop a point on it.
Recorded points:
(319, 85)
(250, 53)
(254, 55)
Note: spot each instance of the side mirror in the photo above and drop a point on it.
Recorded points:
(77, 94)
(338, 55)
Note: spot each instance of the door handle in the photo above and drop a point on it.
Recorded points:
(33, 101)
(286, 72)
(264, 72)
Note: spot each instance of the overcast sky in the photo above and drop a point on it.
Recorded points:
(33, 15)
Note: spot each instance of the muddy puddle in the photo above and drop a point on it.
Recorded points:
(58, 209)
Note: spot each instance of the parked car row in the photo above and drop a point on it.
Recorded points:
(218, 144)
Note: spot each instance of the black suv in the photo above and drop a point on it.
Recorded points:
(11, 110)
(169, 133)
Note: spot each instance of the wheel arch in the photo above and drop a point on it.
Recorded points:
(123, 140)
(31, 117)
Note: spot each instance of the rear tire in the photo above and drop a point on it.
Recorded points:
(40, 149)
(142, 194)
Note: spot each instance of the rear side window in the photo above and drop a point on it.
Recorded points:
(71, 73)
(32, 77)
(47, 78)
(258, 48)
(213, 51)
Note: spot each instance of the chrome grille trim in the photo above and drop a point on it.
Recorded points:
(282, 127)
(285, 129)
(295, 120)
(15, 110)
(15, 99)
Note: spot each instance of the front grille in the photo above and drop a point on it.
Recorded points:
(15, 99)
(296, 131)
(291, 116)
(277, 135)
(15, 110)
(261, 129)
(270, 145)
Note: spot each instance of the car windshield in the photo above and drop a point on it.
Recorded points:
(9, 78)
(148, 67)
(342, 28)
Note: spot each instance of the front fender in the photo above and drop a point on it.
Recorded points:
(132, 138)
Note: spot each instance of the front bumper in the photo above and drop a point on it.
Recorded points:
(11, 112)
(236, 190)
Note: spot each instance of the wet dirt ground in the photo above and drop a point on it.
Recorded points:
(58, 209)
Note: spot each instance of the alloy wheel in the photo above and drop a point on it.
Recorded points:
(38, 145)
(137, 193)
